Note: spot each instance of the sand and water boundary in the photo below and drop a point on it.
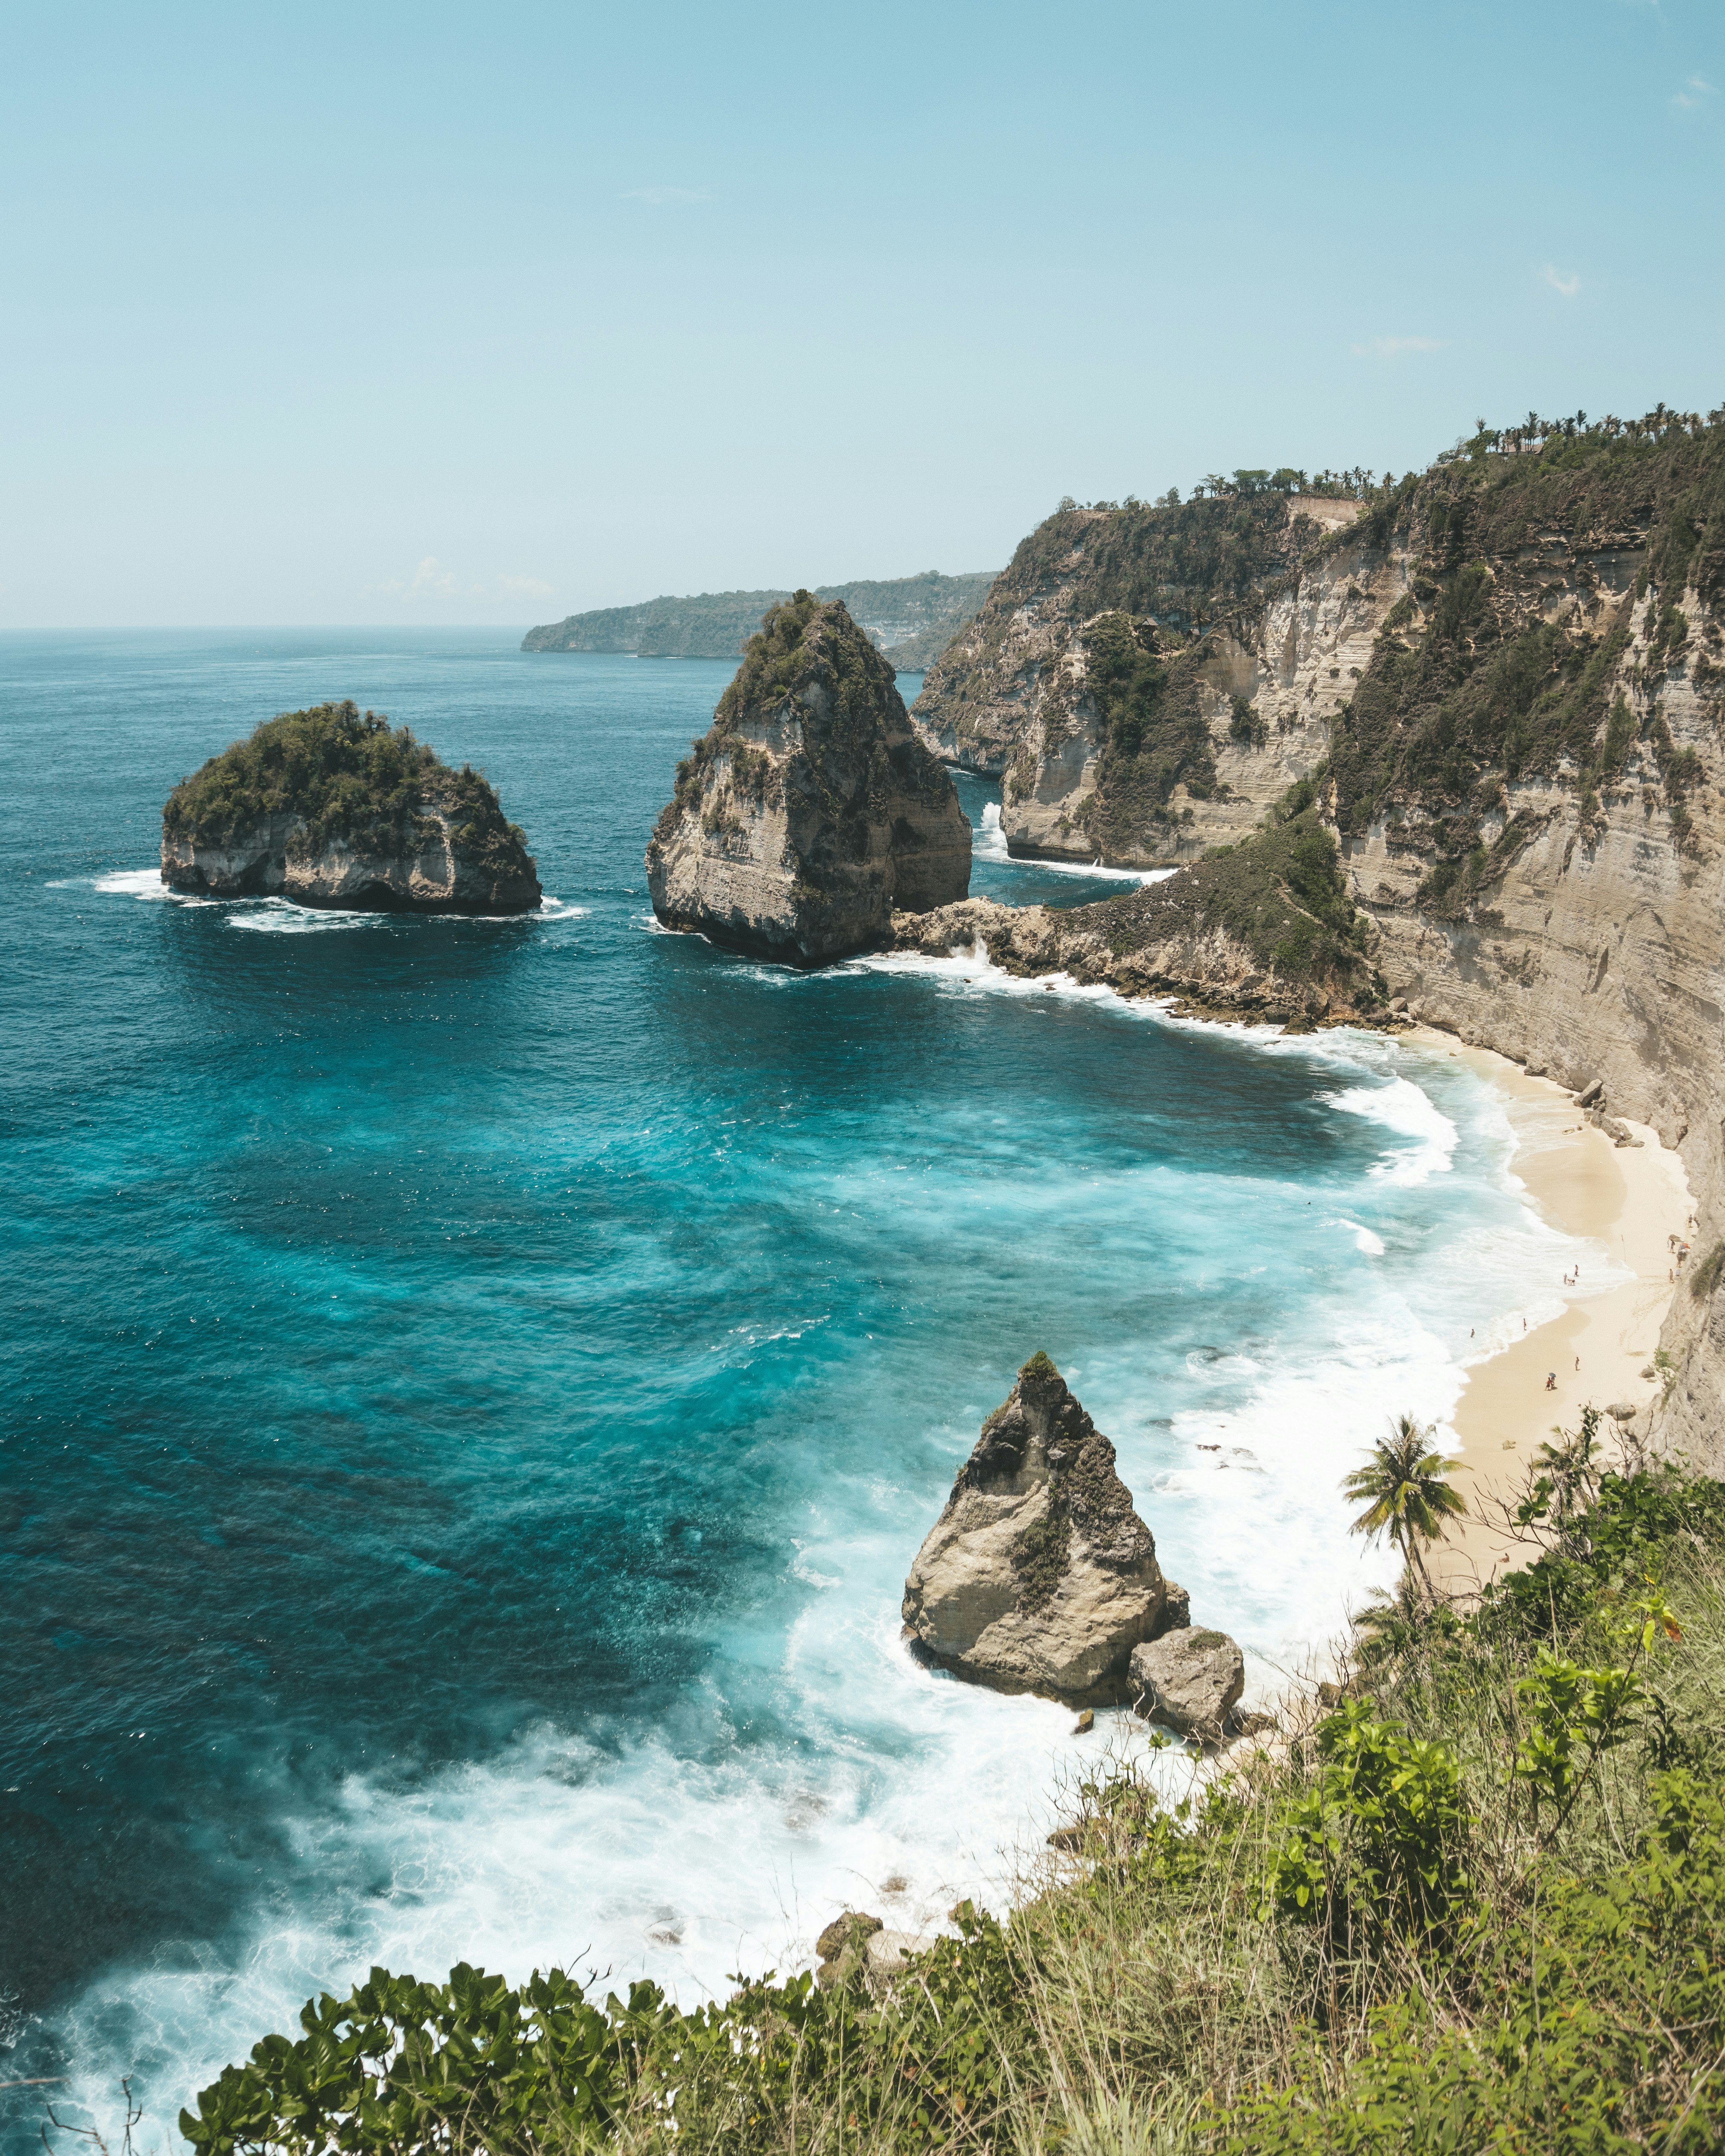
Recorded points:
(1633, 1200)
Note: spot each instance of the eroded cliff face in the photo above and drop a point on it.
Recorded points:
(1507, 679)
(280, 857)
(810, 810)
(1187, 567)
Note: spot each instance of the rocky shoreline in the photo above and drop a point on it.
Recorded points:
(1152, 944)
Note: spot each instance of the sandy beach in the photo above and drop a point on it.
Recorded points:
(1631, 1200)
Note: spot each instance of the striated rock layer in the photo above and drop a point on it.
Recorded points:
(330, 808)
(809, 810)
(1039, 1576)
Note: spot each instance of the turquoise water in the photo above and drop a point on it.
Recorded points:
(473, 1388)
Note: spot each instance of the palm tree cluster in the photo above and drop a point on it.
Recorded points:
(1533, 433)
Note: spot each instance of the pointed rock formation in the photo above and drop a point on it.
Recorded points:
(809, 810)
(1039, 1576)
(329, 807)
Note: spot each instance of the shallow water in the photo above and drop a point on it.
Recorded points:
(474, 1389)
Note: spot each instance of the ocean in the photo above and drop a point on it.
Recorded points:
(473, 1388)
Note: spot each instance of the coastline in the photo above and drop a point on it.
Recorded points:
(1629, 1199)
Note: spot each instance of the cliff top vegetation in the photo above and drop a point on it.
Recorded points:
(1505, 660)
(1478, 1904)
(346, 774)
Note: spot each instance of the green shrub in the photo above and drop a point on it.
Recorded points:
(346, 775)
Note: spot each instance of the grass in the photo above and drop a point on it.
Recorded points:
(1479, 1905)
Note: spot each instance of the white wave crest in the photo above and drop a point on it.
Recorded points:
(1402, 1107)
(130, 883)
(989, 844)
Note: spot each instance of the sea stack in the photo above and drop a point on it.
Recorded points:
(334, 806)
(1039, 1576)
(809, 810)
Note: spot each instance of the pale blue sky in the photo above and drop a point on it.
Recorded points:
(380, 313)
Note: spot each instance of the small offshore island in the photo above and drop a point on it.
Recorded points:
(333, 807)
(809, 810)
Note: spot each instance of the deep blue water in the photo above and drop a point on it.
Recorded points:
(473, 1388)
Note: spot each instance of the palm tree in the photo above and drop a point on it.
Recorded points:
(1406, 1494)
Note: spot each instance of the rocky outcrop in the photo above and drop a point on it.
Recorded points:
(1039, 1576)
(331, 807)
(856, 1945)
(1190, 1679)
(810, 810)
(1180, 940)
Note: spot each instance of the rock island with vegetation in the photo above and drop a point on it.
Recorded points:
(334, 806)
(809, 810)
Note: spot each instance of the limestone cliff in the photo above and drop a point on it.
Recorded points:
(1505, 682)
(329, 807)
(1027, 689)
(1039, 1576)
(809, 810)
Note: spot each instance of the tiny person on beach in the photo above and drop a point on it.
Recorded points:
(1551, 1381)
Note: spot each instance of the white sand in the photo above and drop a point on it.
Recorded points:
(1632, 1200)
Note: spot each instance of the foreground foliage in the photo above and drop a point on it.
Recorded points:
(1478, 1905)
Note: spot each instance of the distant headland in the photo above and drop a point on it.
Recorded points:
(910, 619)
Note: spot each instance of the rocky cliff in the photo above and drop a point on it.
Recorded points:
(1039, 1575)
(1501, 686)
(331, 807)
(809, 810)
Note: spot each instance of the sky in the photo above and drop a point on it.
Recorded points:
(382, 314)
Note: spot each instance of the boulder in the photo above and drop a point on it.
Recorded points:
(810, 809)
(1591, 1093)
(885, 1954)
(842, 1946)
(1039, 1576)
(1191, 1679)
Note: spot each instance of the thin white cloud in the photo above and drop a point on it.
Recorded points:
(661, 195)
(1392, 348)
(432, 581)
(1565, 281)
(1695, 92)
